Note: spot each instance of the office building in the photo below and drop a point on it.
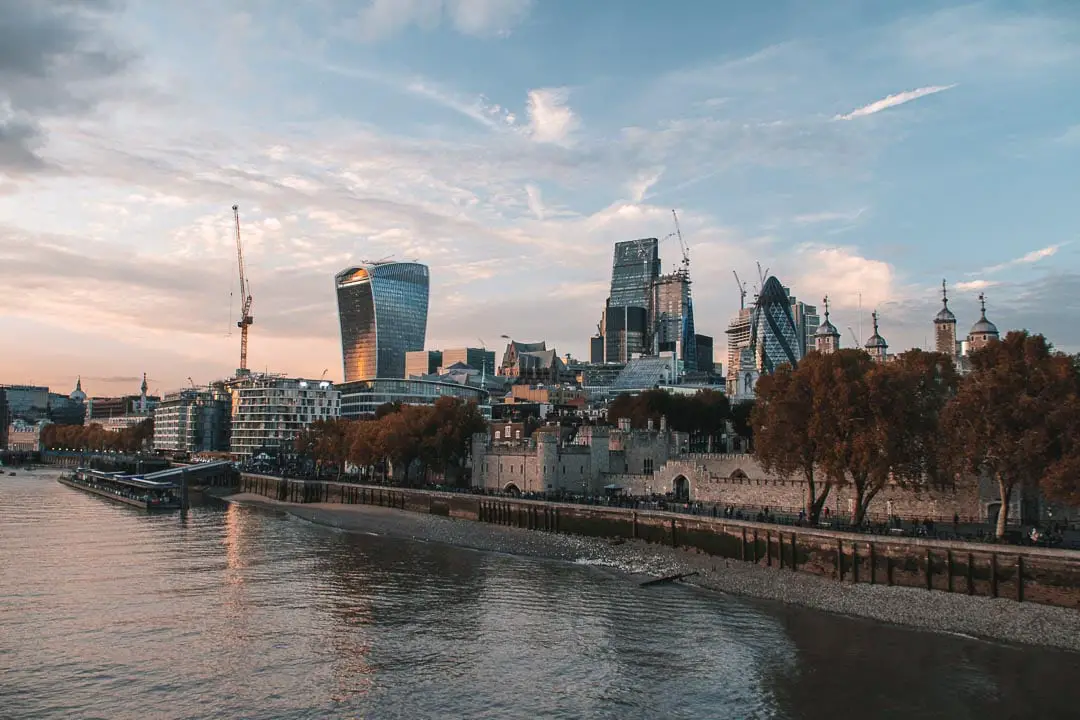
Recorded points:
(480, 359)
(596, 349)
(705, 359)
(269, 411)
(193, 420)
(627, 315)
(738, 341)
(28, 402)
(422, 362)
(362, 398)
(673, 319)
(382, 308)
(118, 413)
(774, 334)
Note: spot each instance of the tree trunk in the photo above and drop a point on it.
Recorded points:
(814, 502)
(860, 508)
(862, 505)
(1003, 514)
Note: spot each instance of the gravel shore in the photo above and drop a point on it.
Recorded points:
(992, 619)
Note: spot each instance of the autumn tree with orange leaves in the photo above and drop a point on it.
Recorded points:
(1016, 419)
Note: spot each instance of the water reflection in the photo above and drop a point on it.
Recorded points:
(109, 612)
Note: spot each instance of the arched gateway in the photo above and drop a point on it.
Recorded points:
(680, 488)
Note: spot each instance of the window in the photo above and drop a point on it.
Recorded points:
(498, 435)
(648, 469)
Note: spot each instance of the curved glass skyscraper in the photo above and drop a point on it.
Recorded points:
(383, 312)
(774, 334)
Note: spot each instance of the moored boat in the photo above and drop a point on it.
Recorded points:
(127, 489)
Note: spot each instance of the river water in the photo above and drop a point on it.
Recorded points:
(109, 612)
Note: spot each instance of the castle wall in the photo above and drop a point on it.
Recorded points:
(639, 462)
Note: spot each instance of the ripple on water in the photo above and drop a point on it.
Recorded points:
(106, 611)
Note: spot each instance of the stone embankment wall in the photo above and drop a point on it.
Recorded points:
(730, 479)
(1041, 575)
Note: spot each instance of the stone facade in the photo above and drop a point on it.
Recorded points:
(655, 461)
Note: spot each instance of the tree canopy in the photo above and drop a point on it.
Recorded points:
(434, 436)
(703, 415)
(843, 419)
(95, 437)
(1016, 419)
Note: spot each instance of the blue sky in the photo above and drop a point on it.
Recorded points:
(859, 149)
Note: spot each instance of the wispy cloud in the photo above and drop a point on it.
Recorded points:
(827, 217)
(974, 285)
(1030, 258)
(894, 100)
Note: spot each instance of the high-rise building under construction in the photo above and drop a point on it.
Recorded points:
(628, 312)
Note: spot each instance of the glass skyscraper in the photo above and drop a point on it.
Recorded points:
(383, 312)
(774, 335)
(634, 269)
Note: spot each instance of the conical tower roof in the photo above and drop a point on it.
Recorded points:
(944, 315)
(827, 329)
(876, 341)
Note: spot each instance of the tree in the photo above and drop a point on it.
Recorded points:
(452, 424)
(788, 439)
(847, 431)
(703, 415)
(922, 385)
(1015, 419)
(741, 422)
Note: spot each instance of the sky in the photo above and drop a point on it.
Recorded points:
(862, 150)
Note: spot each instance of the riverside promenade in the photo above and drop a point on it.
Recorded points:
(1024, 574)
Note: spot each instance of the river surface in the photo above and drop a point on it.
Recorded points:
(107, 611)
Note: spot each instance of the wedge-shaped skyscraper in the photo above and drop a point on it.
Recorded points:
(383, 312)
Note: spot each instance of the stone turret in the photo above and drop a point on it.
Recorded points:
(945, 327)
(876, 345)
(827, 337)
(599, 458)
(983, 331)
(547, 452)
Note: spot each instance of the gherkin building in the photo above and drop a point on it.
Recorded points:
(774, 336)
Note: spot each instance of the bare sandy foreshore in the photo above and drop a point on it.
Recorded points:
(993, 619)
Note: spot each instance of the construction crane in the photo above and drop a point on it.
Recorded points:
(245, 294)
(682, 244)
(742, 290)
(323, 376)
(762, 275)
(857, 343)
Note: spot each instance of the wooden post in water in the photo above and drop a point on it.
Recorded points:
(185, 503)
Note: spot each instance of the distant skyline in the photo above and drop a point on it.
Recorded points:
(856, 149)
